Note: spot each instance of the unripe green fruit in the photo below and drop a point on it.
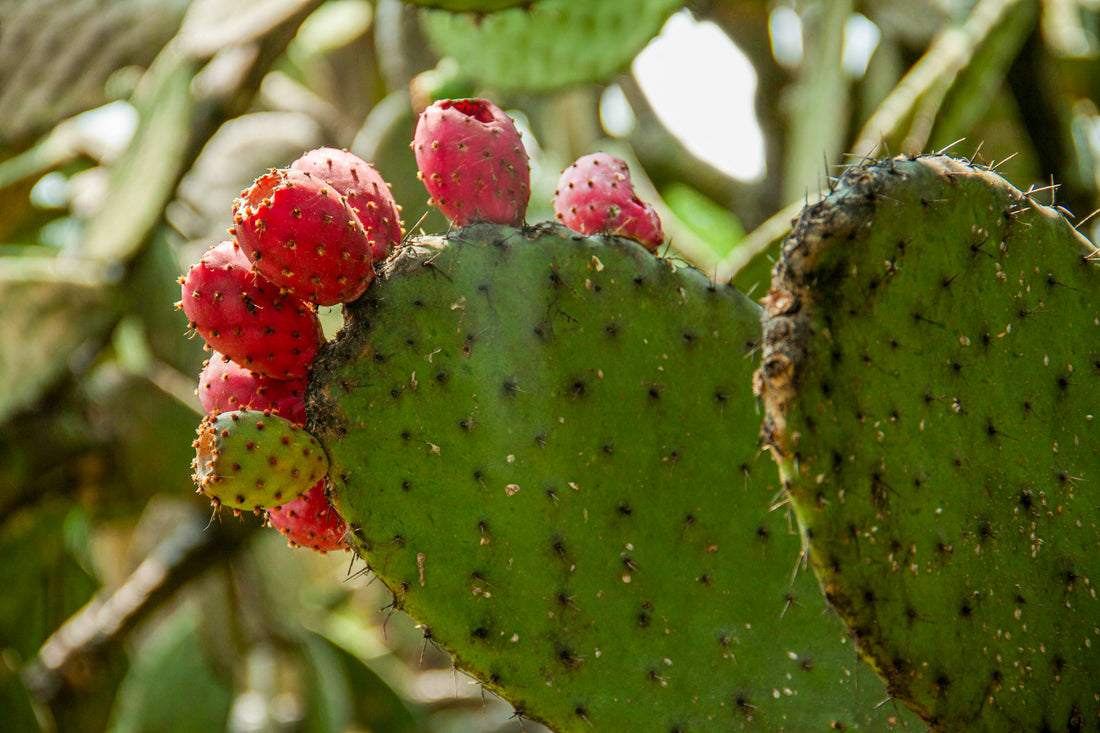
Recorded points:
(249, 460)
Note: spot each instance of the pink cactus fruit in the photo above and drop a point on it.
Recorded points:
(366, 192)
(472, 162)
(244, 316)
(225, 386)
(595, 196)
(310, 521)
(302, 235)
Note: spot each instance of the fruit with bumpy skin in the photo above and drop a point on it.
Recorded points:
(310, 521)
(365, 190)
(302, 235)
(225, 385)
(249, 460)
(470, 6)
(595, 196)
(244, 316)
(473, 162)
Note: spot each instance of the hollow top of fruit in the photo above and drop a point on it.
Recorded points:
(480, 109)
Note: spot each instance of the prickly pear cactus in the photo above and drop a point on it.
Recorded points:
(930, 375)
(545, 446)
(551, 44)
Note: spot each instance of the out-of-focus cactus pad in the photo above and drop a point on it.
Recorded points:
(545, 445)
(551, 44)
(930, 375)
(470, 6)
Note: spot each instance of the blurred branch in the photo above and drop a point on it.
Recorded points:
(67, 659)
(929, 78)
(818, 116)
(403, 52)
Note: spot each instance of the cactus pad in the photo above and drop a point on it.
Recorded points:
(470, 6)
(551, 44)
(545, 445)
(931, 366)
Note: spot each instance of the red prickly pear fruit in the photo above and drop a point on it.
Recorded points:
(225, 386)
(595, 196)
(302, 235)
(243, 316)
(472, 162)
(366, 192)
(310, 521)
(248, 460)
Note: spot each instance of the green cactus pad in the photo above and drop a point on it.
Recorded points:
(930, 377)
(546, 446)
(553, 43)
(248, 460)
(470, 6)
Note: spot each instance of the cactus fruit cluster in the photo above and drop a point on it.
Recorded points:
(364, 190)
(545, 440)
(304, 236)
(310, 521)
(225, 386)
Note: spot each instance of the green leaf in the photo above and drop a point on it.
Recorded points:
(470, 6)
(713, 224)
(17, 706)
(53, 313)
(375, 705)
(47, 583)
(144, 179)
(172, 685)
